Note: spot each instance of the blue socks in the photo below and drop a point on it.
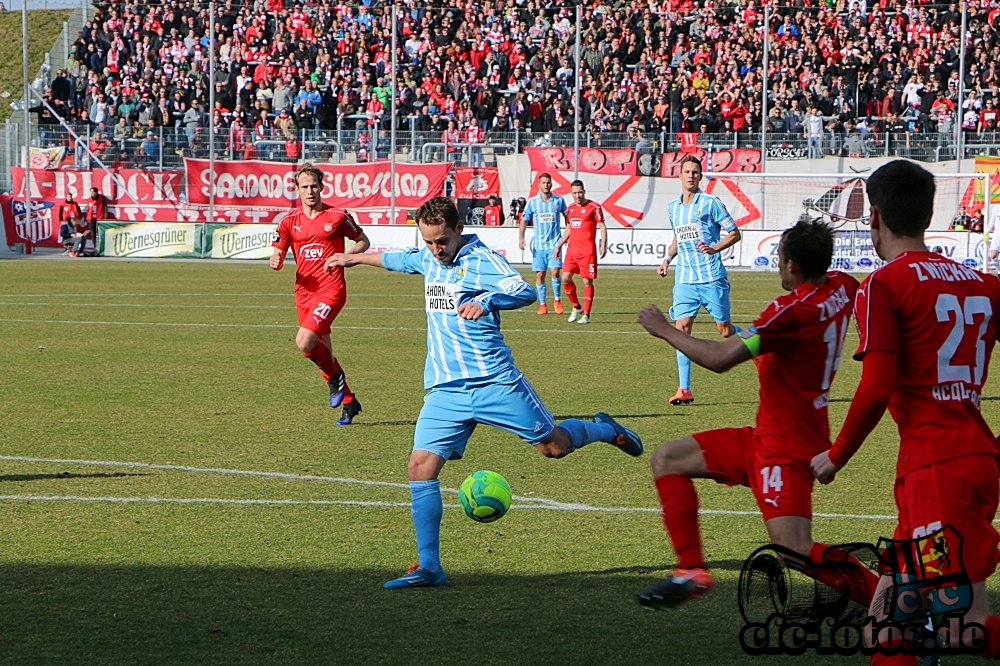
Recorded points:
(684, 371)
(426, 507)
(556, 285)
(737, 329)
(582, 433)
(542, 292)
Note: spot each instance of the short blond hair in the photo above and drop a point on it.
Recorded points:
(309, 169)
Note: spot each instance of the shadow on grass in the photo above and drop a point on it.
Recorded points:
(68, 475)
(93, 614)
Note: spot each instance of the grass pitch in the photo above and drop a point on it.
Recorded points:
(193, 365)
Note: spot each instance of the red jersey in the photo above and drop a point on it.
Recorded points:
(313, 241)
(801, 338)
(937, 316)
(582, 222)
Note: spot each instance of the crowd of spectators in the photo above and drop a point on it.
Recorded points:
(659, 66)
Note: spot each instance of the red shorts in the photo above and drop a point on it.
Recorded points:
(961, 492)
(583, 265)
(781, 487)
(317, 310)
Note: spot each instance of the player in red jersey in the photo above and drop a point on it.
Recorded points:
(927, 330)
(796, 344)
(583, 219)
(316, 232)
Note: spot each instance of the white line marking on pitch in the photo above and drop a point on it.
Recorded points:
(546, 331)
(288, 294)
(531, 502)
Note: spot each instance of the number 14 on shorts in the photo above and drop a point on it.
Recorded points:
(771, 479)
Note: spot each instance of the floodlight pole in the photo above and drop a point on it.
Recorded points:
(211, 117)
(763, 86)
(392, 121)
(27, 120)
(961, 93)
(576, 101)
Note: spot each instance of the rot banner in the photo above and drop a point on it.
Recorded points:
(476, 182)
(732, 160)
(605, 161)
(271, 185)
(157, 192)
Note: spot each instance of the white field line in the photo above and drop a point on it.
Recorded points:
(546, 331)
(288, 294)
(522, 502)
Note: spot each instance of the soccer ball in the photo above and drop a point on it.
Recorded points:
(484, 496)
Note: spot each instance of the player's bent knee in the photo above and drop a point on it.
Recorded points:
(553, 449)
(682, 456)
(305, 340)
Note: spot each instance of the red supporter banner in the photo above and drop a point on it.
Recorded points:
(732, 160)
(605, 161)
(271, 185)
(149, 187)
(476, 182)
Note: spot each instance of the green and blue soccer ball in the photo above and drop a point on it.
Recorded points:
(484, 496)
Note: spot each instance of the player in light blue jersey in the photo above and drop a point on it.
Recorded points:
(544, 212)
(470, 372)
(700, 279)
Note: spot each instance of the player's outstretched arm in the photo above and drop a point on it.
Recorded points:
(878, 381)
(714, 355)
(347, 259)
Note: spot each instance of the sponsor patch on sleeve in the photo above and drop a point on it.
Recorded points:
(512, 284)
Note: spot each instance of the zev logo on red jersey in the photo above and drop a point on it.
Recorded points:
(311, 252)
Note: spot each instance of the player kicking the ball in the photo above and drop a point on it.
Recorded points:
(927, 328)
(796, 344)
(698, 220)
(543, 211)
(583, 219)
(314, 233)
(470, 372)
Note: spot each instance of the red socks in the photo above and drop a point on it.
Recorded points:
(833, 578)
(570, 288)
(679, 503)
(588, 298)
(321, 356)
(328, 365)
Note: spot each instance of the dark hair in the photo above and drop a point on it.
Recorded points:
(577, 183)
(544, 174)
(903, 193)
(690, 158)
(810, 245)
(439, 210)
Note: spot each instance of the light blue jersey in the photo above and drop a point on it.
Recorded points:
(545, 216)
(703, 220)
(460, 349)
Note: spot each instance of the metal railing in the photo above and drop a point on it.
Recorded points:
(124, 148)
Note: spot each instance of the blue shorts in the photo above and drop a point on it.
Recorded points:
(452, 411)
(689, 298)
(543, 260)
